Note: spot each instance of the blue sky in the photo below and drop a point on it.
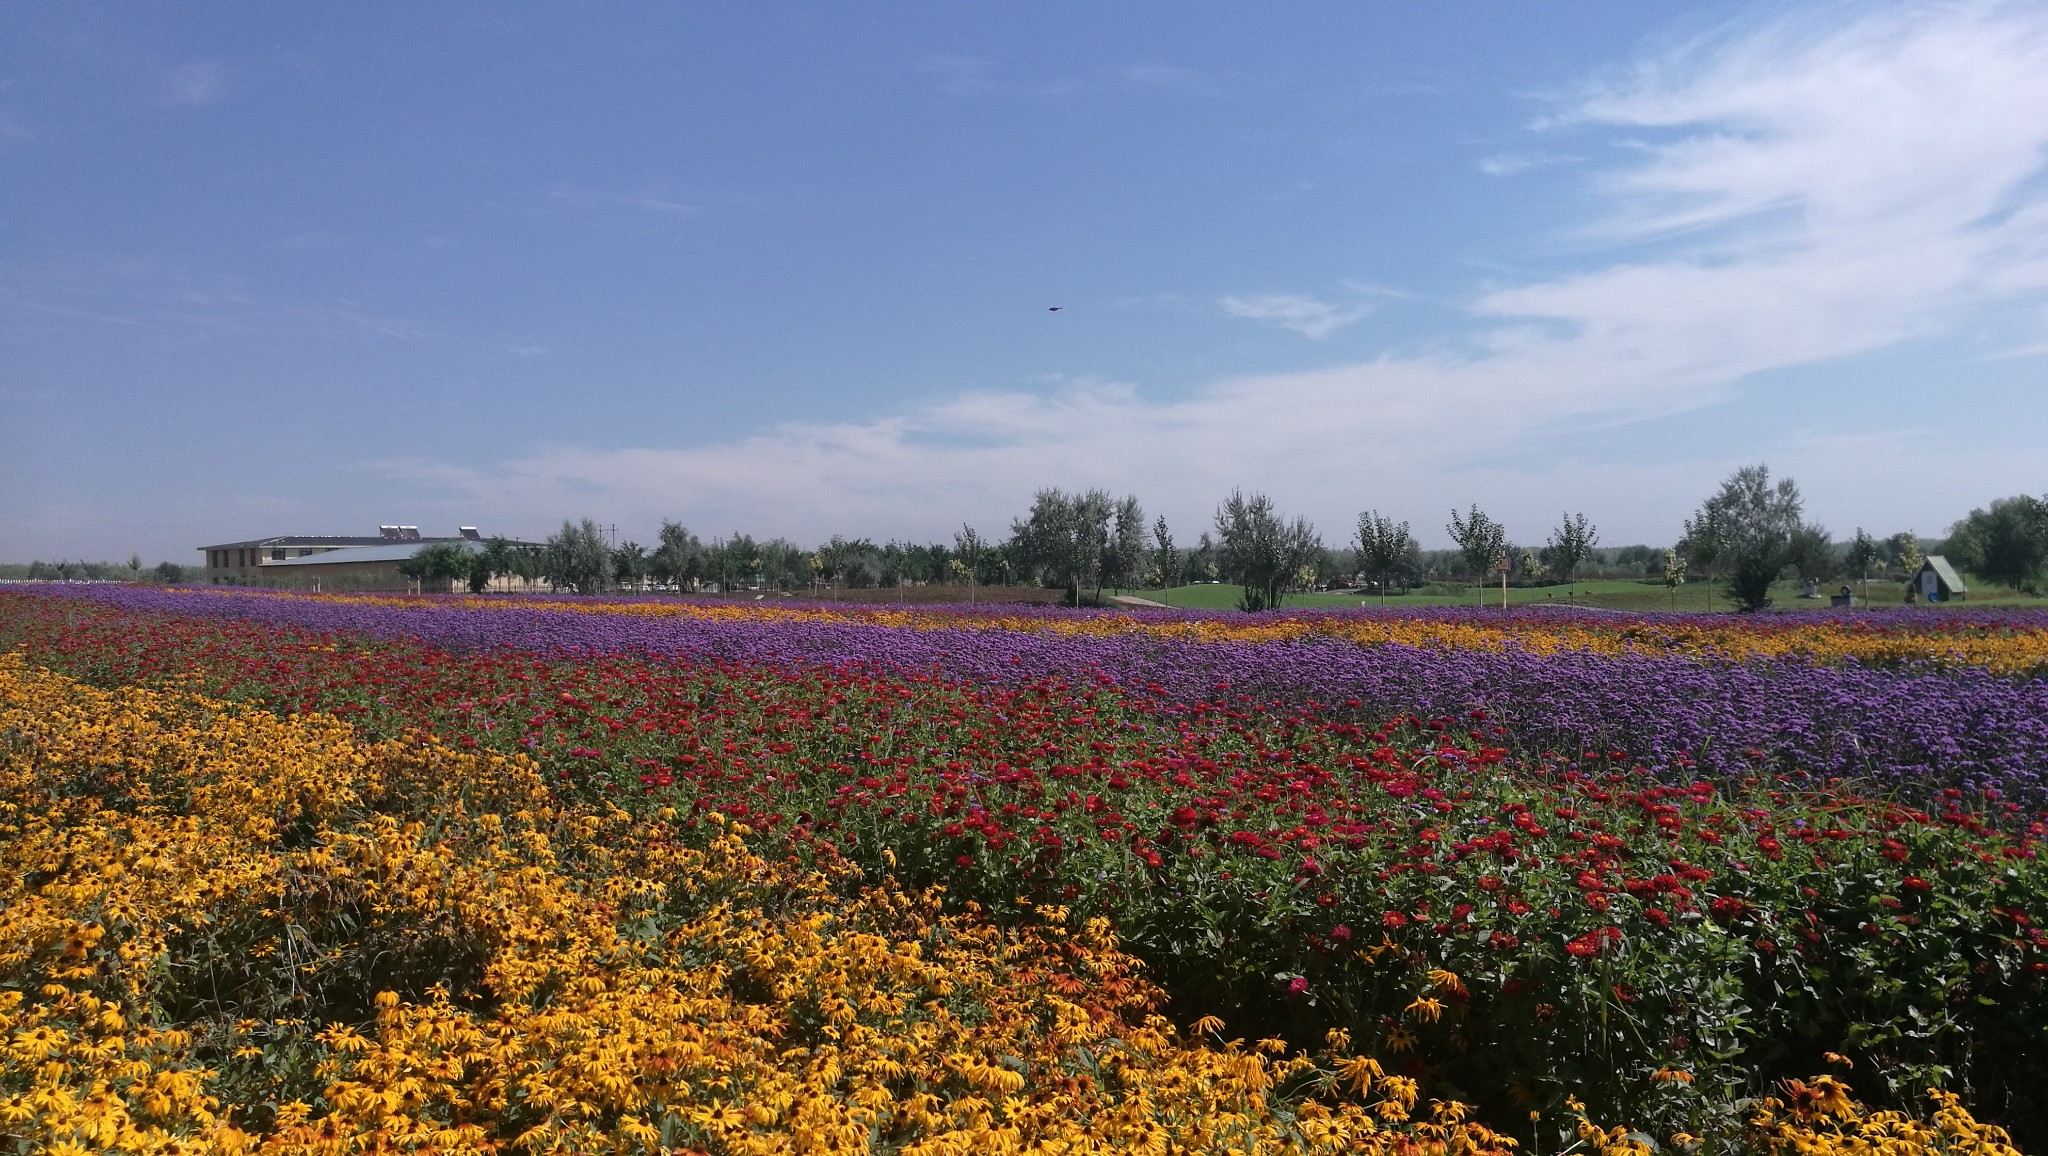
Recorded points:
(291, 269)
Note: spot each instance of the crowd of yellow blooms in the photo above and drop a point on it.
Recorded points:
(2001, 647)
(222, 930)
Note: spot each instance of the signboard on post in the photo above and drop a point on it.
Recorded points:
(1501, 564)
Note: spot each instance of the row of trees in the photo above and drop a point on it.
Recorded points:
(1747, 535)
(1751, 533)
(1083, 542)
(164, 573)
(2005, 543)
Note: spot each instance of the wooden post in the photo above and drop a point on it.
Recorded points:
(1502, 565)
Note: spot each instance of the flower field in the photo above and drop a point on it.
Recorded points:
(446, 874)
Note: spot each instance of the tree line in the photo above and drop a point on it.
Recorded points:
(1748, 534)
(163, 573)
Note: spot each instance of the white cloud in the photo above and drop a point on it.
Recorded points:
(1307, 316)
(1795, 193)
(1508, 164)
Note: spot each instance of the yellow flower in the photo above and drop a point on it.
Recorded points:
(1358, 1073)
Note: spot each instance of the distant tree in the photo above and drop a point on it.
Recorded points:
(1260, 549)
(1412, 566)
(2007, 543)
(855, 563)
(629, 563)
(1748, 529)
(968, 548)
(1904, 549)
(1640, 558)
(927, 562)
(437, 565)
(1003, 563)
(736, 561)
(1383, 547)
(862, 570)
(832, 558)
(1481, 540)
(528, 563)
(784, 564)
(494, 560)
(1674, 569)
(1704, 543)
(1864, 552)
(1064, 537)
(1812, 553)
(169, 573)
(1123, 559)
(981, 561)
(576, 557)
(1569, 545)
(1200, 564)
(1165, 558)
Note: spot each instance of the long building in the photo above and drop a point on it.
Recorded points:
(332, 561)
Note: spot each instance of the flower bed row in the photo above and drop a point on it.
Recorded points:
(1911, 730)
(2002, 641)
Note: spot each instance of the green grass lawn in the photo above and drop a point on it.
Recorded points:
(1614, 594)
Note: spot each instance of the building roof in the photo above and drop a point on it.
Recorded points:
(382, 552)
(1946, 573)
(327, 540)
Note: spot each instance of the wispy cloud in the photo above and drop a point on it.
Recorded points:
(1508, 164)
(184, 305)
(958, 72)
(1308, 316)
(1792, 193)
(1158, 74)
(198, 83)
(981, 75)
(639, 200)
